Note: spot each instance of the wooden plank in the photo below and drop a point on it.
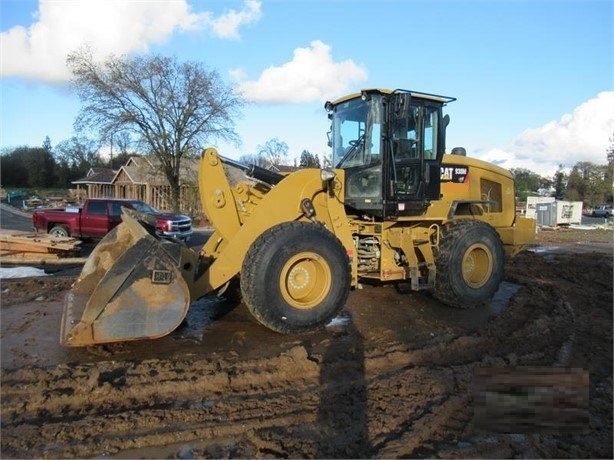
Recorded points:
(33, 246)
(37, 248)
(41, 261)
(41, 240)
(29, 255)
(41, 249)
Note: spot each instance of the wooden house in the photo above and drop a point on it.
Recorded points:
(141, 178)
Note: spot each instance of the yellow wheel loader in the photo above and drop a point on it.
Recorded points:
(394, 209)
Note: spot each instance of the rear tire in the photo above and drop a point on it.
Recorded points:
(59, 231)
(469, 264)
(295, 277)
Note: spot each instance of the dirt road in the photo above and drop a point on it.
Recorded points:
(392, 376)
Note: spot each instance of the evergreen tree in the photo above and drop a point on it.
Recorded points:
(308, 160)
(560, 183)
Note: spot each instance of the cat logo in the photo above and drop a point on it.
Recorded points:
(455, 173)
(161, 277)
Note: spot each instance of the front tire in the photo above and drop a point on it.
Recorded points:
(469, 264)
(295, 277)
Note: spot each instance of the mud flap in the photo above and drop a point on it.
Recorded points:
(130, 288)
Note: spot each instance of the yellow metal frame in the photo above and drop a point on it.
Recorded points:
(240, 215)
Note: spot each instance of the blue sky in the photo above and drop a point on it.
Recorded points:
(534, 79)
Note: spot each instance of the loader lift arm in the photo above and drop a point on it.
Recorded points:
(238, 220)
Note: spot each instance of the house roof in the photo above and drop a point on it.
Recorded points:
(97, 176)
(140, 170)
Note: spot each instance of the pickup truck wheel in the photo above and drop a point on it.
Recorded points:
(295, 277)
(469, 264)
(59, 230)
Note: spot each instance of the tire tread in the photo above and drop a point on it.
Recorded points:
(254, 294)
(446, 290)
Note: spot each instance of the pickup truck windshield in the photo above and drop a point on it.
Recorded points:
(142, 207)
(116, 207)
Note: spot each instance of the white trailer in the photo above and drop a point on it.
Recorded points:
(548, 211)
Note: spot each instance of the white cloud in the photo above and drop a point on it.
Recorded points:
(227, 25)
(311, 75)
(583, 135)
(110, 26)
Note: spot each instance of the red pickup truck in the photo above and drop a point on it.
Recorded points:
(98, 216)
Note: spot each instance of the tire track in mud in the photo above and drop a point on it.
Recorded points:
(344, 397)
(155, 403)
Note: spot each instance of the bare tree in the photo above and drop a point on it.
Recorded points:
(173, 109)
(251, 159)
(121, 143)
(80, 152)
(274, 151)
(121, 146)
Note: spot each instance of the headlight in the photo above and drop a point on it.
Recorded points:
(164, 225)
(327, 175)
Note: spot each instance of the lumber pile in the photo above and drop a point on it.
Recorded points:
(35, 246)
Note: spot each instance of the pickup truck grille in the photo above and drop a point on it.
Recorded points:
(182, 225)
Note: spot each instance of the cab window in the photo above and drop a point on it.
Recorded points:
(97, 208)
(430, 134)
(115, 209)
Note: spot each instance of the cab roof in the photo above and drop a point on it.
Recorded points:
(417, 94)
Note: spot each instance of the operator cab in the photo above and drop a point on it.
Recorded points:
(390, 144)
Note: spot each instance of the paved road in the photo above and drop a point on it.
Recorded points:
(13, 219)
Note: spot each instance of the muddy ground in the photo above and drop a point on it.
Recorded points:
(393, 376)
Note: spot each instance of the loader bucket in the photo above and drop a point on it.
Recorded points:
(131, 287)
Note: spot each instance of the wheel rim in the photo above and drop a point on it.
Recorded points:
(58, 232)
(305, 280)
(477, 265)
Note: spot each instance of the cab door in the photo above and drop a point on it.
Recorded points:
(433, 148)
(115, 214)
(95, 219)
(414, 156)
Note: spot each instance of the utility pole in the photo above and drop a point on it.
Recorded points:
(111, 153)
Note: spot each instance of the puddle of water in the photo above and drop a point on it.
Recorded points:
(578, 247)
(542, 249)
(472, 318)
(201, 314)
(501, 299)
(341, 320)
(207, 310)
